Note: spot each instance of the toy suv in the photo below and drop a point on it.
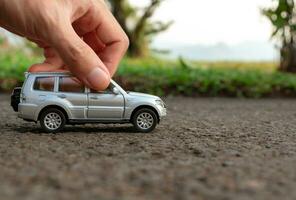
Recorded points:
(57, 99)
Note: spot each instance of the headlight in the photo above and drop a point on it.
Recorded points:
(160, 102)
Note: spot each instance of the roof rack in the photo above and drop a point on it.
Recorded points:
(44, 73)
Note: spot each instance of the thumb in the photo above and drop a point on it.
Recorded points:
(80, 58)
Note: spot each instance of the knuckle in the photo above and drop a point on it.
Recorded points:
(75, 54)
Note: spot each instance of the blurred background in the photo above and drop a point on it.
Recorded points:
(232, 48)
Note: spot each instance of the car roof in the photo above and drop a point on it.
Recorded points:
(51, 74)
(48, 73)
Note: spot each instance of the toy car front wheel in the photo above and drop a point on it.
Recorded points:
(145, 120)
(52, 120)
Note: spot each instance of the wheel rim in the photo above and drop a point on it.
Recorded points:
(145, 120)
(53, 121)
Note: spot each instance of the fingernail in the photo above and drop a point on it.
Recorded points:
(98, 79)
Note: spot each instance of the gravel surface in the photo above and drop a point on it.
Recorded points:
(204, 149)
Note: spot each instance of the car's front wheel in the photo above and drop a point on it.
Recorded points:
(52, 120)
(145, 120)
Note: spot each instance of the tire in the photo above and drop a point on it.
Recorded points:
(58, 123)
(145, 120)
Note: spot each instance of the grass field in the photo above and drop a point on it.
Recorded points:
(231, 65)
(176, 77)
(206, 79)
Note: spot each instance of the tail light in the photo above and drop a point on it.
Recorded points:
(22, 98)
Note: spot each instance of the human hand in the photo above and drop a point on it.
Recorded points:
(80, 36)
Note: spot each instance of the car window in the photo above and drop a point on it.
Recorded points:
(109, 90)
(70, 84)
(44, 84)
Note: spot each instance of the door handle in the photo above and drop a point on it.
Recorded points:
(62, 96)
(94, 98)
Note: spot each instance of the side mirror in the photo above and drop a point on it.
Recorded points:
(116, 91)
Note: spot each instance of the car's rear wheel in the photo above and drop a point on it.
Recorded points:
(52, 120)
(145, 120)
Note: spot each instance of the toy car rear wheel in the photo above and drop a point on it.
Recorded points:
(52, 120)
(145, 120)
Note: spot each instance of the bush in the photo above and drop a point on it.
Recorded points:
(171, 78)
(14, 63)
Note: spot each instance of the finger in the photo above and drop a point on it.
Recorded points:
(46, 67)
(52, 62)
(79, 57)
(94, 42)
(111, 34)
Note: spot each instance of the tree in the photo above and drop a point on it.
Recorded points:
(283, 18)
(138, 25)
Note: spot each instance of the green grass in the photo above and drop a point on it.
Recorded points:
(233, 65)
(178, 80)
(261, 66)
(162, 77)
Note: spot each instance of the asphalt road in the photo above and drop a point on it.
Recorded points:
(205, 149)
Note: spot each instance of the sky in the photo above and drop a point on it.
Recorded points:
(209, 22)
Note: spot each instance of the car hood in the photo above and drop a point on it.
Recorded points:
(138, 94)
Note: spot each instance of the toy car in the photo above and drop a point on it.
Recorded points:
(57, 99)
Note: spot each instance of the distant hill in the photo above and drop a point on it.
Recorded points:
(248, 51)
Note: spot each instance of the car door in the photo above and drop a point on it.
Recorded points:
(105, 105)
(72, 93)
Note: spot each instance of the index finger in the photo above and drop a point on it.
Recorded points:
(110, 33)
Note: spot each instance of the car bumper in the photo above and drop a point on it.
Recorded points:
(162, 112)
(27, 111)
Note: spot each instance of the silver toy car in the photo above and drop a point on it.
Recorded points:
(57, 99)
